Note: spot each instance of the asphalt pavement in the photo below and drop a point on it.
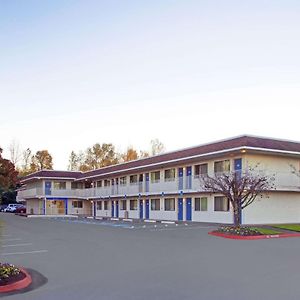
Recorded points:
(87, 259)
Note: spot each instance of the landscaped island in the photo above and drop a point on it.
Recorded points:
(13, 278)
(251, 232)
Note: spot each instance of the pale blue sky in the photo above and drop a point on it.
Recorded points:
(73, 73)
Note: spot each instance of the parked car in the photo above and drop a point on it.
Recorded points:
(12, 207)
(2, 207)
(21, 209)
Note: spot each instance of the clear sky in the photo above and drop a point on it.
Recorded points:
(73, 73)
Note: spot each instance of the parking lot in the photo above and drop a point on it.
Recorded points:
(88, 259)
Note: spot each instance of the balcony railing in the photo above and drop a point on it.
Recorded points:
(283, 181)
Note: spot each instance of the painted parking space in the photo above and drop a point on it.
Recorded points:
(124, 224)
(12, 246)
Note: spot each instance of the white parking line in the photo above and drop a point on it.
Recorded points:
(178, 228)
(27, 252)
(167, 222)
(15, 245)
(10, 240)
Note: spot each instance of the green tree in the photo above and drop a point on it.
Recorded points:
(41, 160)
(130, 154)
(8, 175)
(99, 156)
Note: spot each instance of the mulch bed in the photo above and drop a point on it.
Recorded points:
(13, 279)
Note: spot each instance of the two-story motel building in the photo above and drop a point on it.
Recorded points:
(167, 186)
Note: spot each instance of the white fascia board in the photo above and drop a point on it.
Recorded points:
(55, 178)
(272, 150)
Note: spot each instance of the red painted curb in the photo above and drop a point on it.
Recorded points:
(25, 282)
(254, 237)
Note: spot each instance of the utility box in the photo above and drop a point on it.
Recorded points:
(126, 214)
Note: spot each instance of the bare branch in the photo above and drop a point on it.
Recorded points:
(240, 188)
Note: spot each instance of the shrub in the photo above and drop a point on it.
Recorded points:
(239, 230)
(7, 271)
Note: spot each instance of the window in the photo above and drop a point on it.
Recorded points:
(59, 185)
(201, 170)
(123, 205)
(77, 204)
(123, 180)
(221, 203)
(170, 175)
(201, 204)
(169, 204)
(106, 182)
(99, 183)
(133, 179)
(105, 205)
(222, 166)
(99, 205)
(155, 176)
(133, 204)
(155, 204)
(74, 185)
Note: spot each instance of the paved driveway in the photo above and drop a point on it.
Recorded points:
(83, 260)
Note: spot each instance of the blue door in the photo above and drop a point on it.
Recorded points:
(95, 207)
(189, 209)
(147, 209)
(112, 209)
(238, 164)
(180, 209)
(147, 182)
(48, 188)
(141, 209)
(188, 177)
(117, 209)
(180, 178)
(66, 206)
(238, 172)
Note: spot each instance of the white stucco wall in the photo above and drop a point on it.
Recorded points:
(34, 206)
(85, 210)
(280, 207)
(211, 216)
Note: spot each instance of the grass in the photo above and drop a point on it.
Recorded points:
(266, 231)
(293, 227)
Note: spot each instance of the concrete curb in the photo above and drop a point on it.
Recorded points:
(52, 216)
(17, 285)
(256, 237)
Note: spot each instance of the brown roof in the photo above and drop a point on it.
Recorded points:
(52, 173)
(228, 144)
(185, 155)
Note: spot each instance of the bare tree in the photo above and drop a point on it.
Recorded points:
(295, 170)
(76, 161)
(157, 147)
(240, 188)
(15, 152)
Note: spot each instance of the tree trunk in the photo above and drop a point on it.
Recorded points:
(237, 213)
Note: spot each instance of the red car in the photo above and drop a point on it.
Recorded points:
(21, 209)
